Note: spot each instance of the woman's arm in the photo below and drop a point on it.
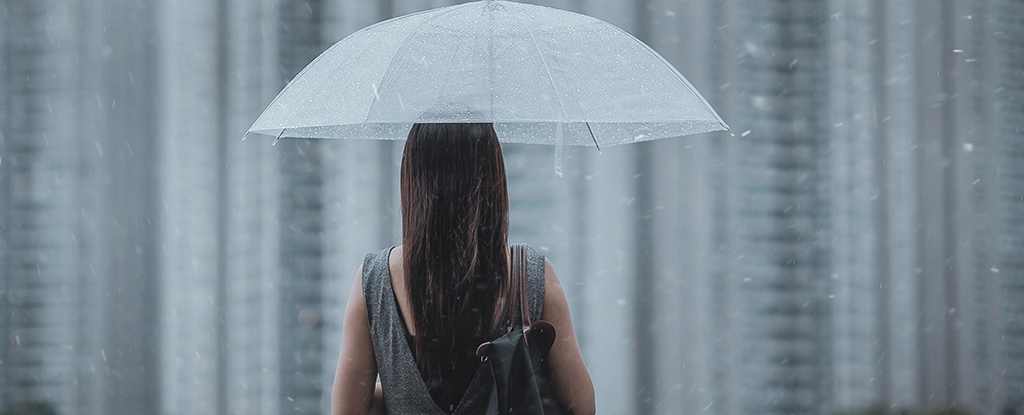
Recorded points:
(355, 379)
(572, 381)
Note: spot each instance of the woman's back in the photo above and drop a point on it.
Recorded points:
(444, 286)
(405, 389)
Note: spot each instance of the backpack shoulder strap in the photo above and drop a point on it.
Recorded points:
(516, 306)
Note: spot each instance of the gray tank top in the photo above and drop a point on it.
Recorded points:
(403, 387)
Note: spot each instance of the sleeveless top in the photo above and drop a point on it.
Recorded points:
(401, 382)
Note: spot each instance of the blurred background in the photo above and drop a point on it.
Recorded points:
(856, 247)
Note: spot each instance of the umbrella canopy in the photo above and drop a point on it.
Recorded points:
(541, 75)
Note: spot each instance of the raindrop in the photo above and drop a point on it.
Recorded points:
(308, 318)
(750, 47)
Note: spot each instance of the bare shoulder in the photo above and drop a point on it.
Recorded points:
(355, 296)
(556, 307)
(553, 293)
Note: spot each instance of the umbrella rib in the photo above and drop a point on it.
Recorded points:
(592, 136)
(387, 69)
(551, 80)
(448, 74)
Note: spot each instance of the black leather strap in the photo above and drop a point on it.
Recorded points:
(518, 290)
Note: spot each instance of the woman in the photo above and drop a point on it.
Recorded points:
(417, 312)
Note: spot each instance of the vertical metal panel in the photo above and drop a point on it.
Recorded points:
(959, 120)
(947, 117)
(301, 250)
(643, 299)
(5, 197)
(251, 304)
(853, 216)
(128, 205)
(897, 130)
(683, 33)
(930, 94)
(189, 161)
(785, 330)
(1010, 109)
(982, 337)
(724, 369)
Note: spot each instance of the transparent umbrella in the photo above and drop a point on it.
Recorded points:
(541, 75)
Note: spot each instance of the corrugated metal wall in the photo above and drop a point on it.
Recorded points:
(1010, 96)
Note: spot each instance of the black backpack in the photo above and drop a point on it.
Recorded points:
(518, 359)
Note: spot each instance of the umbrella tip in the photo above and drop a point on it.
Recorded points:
(244, 136)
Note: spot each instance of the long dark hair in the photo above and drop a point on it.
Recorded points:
(454, 235)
